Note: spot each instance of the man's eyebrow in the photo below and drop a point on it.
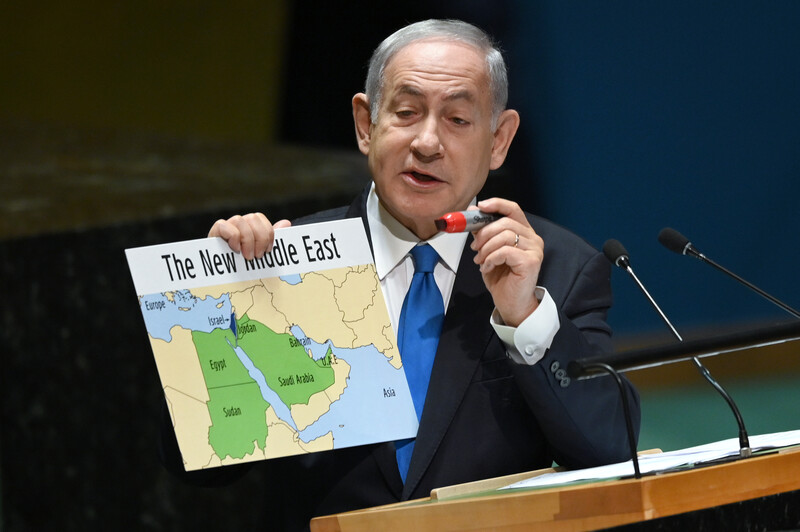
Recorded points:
(456, 95)
(409, 89)
(460, 95)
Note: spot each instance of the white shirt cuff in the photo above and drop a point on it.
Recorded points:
(527, 343)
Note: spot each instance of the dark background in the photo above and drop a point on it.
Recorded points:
(635, 116)
(129, 124)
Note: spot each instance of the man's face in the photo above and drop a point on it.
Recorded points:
(432, 146)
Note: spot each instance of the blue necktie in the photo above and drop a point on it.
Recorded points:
(418, 335)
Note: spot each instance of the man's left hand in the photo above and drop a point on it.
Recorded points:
(510, 255)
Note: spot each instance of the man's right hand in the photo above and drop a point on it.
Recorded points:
(251, 235)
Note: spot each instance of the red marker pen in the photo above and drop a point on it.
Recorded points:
(465, 221)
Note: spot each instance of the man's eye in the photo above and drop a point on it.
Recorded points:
(459, 121)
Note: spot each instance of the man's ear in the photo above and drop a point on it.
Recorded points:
(507, 125)
(363, 123)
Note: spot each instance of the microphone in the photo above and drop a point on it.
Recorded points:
(617, 254)
(674, 241)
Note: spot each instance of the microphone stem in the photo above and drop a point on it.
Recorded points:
(653, 302)
(627, 410)
(749, 285)
(744, 441)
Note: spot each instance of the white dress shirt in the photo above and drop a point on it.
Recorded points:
(392, 243)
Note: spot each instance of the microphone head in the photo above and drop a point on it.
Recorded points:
(616, 253)
(673, 240)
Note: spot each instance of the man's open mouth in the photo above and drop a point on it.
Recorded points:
(419, 176)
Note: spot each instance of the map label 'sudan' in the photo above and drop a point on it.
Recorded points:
(290, 353)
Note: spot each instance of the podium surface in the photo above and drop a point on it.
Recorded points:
(589, 506)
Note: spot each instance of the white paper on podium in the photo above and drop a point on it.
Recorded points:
(652, 463)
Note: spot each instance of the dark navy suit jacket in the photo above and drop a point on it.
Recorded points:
(484, 415)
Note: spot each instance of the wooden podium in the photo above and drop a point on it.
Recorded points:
(586, 506)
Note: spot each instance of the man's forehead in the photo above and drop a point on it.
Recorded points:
(432, 51)
(456, 93)
(456, 63)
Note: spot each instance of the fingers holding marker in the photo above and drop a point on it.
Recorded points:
(510, 241)
(483, 225)
(504, 207)
(505, 232)
(501, 233)
(506, 249)
(491, 239)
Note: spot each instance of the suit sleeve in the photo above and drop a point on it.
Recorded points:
(583, 420)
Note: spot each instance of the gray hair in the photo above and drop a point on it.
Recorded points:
(448, 30)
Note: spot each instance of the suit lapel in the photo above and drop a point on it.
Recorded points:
(358, 209)
(466, 327)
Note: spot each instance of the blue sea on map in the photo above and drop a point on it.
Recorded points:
(354, 418)
(185, 310)
(370, 373)
(318, 351)
(291, 279)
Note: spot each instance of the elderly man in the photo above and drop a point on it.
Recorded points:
(520, 297)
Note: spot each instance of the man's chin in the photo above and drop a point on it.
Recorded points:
(426, 207)
(418, 217)
(414, 207)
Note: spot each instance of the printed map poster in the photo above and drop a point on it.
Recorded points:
(291, 353)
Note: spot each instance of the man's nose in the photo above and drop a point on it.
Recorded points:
(427, 143)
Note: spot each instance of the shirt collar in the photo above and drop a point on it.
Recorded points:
(391, 240)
